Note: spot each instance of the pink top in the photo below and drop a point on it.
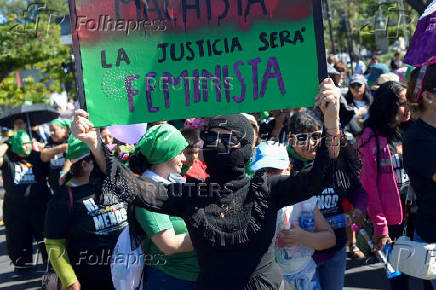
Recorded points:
(384, 206)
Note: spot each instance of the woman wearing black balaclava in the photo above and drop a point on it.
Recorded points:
(231, 219)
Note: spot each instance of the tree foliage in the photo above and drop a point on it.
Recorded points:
(361, 20)
(26, 8)
(30, 40)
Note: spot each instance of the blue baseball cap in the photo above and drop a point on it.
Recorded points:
(270, 155)
(375, 71)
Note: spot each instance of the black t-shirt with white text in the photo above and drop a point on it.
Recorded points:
(330, 205)
(92, 228)
(25, 178)
(343, 181)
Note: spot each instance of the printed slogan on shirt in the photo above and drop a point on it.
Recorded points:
(106, 220)
(24, 174)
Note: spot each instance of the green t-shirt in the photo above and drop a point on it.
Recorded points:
(183, 266)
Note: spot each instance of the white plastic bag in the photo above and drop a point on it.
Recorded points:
(414, 259)
(127, 265)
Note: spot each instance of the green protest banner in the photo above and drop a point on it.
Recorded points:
(143, 61)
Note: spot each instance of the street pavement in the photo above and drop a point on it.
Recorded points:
(359, 275)
(365, 274)
(31, 282)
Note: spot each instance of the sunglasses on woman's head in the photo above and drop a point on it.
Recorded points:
(211, 137)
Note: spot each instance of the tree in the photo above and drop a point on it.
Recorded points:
(19, 7)
(361, 16)
(30, 40)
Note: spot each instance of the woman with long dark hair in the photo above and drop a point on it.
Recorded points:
(383, 175)
(231, 219)
(420, 150)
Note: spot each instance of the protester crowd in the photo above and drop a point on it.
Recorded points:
(248, 201)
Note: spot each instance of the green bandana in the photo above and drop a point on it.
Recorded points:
(62, 123)
(294, 154)
(264, 115)
(76, 148)
(18, 140)
(161, 143)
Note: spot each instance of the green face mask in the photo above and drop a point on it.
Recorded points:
(17, 143)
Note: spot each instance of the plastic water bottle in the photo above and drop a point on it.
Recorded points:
(382, 256)
(286, 226)
(337, 222)
(307, 219)
(284, 255)
(281, 255)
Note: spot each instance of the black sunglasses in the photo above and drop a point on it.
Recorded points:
(211, 137)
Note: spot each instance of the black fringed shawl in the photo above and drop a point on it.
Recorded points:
(232, 229)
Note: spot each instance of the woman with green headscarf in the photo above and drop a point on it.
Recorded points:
(159, 156)
(82, 224)
(26, 196)
(54, 151)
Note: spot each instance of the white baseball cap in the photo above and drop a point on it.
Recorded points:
(270, 155)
